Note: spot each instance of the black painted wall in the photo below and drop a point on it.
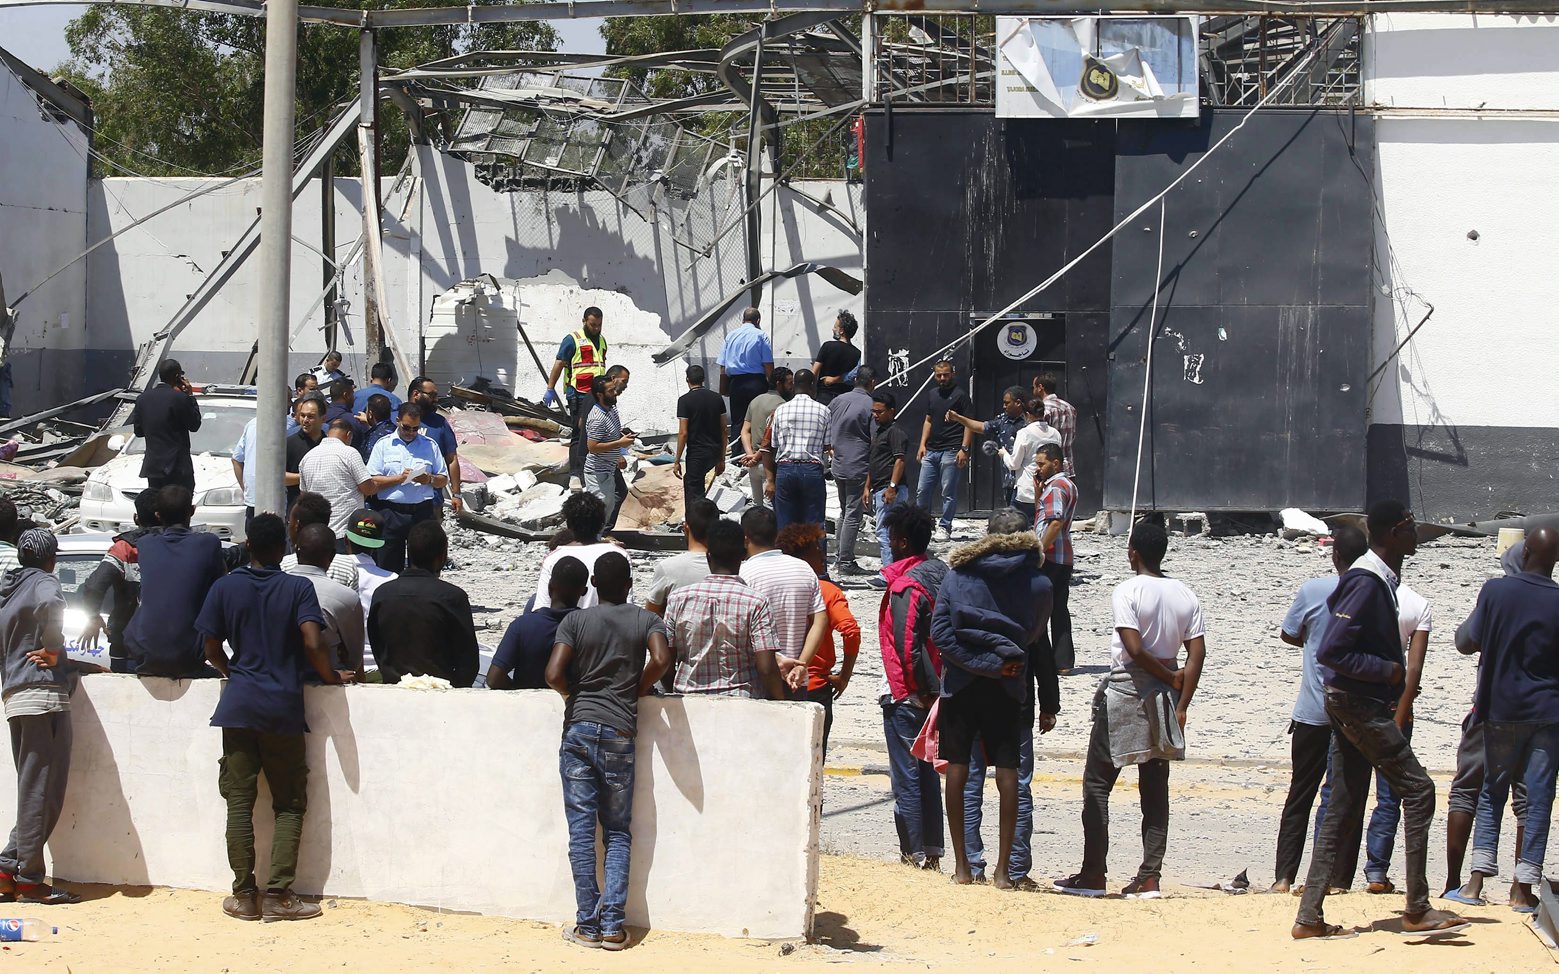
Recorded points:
(1465, 473)
(1266, 276)
(966, 213)
(1257, 399)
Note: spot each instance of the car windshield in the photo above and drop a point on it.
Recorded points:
(221, 424)
(73, 570)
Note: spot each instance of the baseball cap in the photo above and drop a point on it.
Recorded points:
(366, 529)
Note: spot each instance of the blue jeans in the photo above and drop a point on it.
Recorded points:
(882, 507)
(596, 762)
(801, 496)
(1381, 836)
(1527, 752)
(939, 465)
(917, 788)
(1019, 863)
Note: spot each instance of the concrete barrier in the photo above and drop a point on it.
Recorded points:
(452, 800)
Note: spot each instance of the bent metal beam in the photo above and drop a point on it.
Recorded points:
(583, 9)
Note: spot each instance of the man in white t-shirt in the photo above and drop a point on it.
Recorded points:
(795, 598)
(1139, 712)
(585, 515)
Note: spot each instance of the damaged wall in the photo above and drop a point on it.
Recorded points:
(570, 250)
(43, 224)
(1463, 424)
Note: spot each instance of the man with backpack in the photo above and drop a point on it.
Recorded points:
(912, 667)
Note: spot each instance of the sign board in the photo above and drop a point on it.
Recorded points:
(1096, 67)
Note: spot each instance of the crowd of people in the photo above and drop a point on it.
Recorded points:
(973, 639)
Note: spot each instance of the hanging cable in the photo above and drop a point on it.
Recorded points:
(1147, 372)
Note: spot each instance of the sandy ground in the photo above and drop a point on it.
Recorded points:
(873, 915)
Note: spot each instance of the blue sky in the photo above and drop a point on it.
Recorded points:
(37, 34)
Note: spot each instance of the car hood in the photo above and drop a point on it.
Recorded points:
(124, 473)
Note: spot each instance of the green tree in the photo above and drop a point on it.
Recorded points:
(179, 93)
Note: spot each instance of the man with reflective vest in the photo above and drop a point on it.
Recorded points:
(581, 360)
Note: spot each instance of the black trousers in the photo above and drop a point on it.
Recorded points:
(744, 389)
(621, 486)
(695, 470)
(579, 407)
(1365, 736)
(182, 480)
(1099, 776)
(1307, 751)
(1060, 616)
(399, 519)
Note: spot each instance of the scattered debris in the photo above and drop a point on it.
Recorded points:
(1086, 940)
(1298, 524)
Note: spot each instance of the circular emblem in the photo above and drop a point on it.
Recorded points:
(1018, 341)
(1098, 81)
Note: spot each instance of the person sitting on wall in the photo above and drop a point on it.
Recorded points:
(521, 660)
(721, 630)
(178, 568)
(599, 665)
(421, 625)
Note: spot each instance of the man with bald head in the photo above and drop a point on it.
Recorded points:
(1515, 625)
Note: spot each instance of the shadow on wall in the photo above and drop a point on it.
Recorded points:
(112, 825)
(664, 728)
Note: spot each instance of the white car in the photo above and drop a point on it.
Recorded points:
(108, 501)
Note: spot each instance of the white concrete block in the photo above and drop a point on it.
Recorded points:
(409, 802)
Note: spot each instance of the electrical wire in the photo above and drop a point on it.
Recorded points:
(1147, 372)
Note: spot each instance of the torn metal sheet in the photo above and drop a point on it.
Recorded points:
(843, 280)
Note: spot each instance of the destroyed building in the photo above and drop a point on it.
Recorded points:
(1344, 298)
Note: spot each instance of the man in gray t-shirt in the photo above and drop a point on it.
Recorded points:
(688, 568)
(598, 664)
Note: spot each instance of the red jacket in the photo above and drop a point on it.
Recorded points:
(909, 657)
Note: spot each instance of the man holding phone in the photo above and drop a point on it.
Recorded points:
(164, 417)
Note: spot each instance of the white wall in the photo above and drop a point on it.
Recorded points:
(1490, 346)
(452, 800)
(1462, 61)
(43, 224)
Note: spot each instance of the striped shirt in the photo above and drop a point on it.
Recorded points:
(8, 559)
(603, 426)
(1063, 416)
(343, 568)
(1058, 503)
(799, 431)
(793, 593)
(717, 627)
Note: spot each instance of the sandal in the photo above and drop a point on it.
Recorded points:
(1457, 896)
(615, 941)
(42, 895)
(1445, 925)
(1330, 931)
(574, 935)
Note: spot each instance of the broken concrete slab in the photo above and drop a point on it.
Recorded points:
(518, 454)
(654, 501)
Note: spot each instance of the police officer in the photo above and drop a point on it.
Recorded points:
(581, 360)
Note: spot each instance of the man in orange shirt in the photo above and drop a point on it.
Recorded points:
(805, 541)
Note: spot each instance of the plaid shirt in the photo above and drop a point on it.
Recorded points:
(799, 431)
(1059, 503)
(1063, 416)
(717, 627)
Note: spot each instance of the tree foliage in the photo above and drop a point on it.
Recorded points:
(180, 93)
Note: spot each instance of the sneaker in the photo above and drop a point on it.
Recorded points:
(242, 906)
(877, 581)
(944, 534)
(287, 906)
(850, 568)
(42, 894)
(575, 485)
(933, 864)
(1142, 889)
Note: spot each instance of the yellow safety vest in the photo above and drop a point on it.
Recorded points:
(589, 361)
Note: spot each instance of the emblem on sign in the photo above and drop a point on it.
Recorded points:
(1018, 341)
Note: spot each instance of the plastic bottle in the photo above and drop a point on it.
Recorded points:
(28, 929)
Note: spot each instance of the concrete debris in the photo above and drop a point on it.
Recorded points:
(730, 500)
(654, 501)
(1298, 524)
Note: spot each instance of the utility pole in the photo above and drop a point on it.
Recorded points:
(327, 246)
(281, 70)
(368, 152)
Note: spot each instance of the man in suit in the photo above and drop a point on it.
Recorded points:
(164, 417)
